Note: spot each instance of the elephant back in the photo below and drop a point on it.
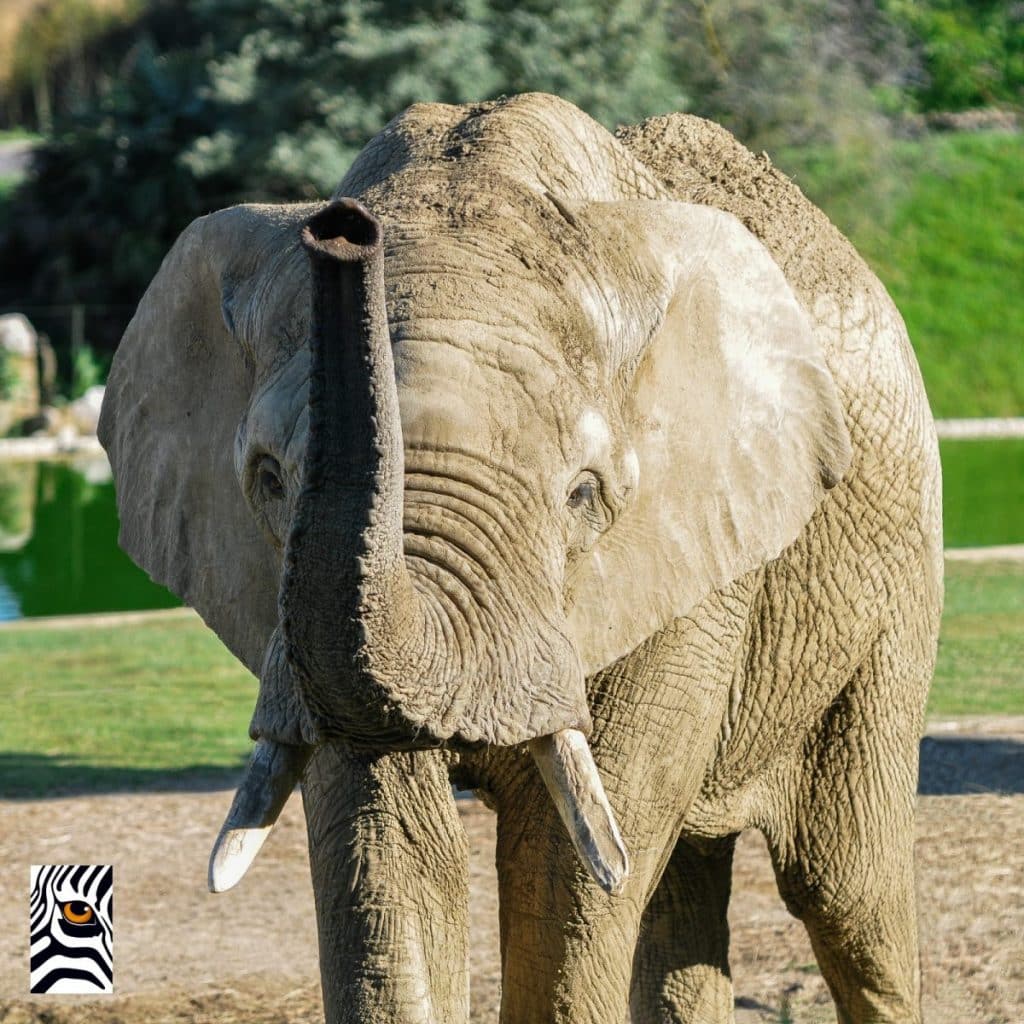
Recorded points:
(535, 139)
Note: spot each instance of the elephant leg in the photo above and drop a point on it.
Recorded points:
(566, 946)
(681, 968)
(389, 861)
(844, 856)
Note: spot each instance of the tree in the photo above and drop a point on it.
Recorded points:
(308, 83)
(108, 192)
(784, 76)
(271, 99)
(972, 54)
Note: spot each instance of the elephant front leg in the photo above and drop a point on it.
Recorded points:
(389, 863)
(568, 947)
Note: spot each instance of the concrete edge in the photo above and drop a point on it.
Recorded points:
(995, 553)
(22, 449)
(996, 429)
(99, 619)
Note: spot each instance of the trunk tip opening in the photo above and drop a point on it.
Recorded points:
(342, 230)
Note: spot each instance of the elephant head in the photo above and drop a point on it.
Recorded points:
(426, 469)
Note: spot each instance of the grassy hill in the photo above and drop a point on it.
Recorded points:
(941, 221)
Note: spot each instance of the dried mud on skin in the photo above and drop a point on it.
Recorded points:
(183, 956)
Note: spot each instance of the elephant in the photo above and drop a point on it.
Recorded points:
(593, 472)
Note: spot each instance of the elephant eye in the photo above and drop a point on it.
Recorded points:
(587, 505)
(583, 493)
(268, 478)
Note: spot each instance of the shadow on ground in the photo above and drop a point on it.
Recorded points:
(950, 766)
(31, 776)
(961, 765)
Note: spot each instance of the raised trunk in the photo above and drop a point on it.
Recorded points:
(346, 593)
(371, 650)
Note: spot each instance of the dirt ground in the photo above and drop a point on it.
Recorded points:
(249, 956)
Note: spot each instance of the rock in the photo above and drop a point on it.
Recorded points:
(18, 485)
(83, 414)
(17, 335)
(19, 371)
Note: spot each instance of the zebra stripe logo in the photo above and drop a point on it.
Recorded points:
(71, 938)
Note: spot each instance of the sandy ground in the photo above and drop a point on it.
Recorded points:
(249, 956)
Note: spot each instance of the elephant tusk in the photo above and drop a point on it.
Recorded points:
(568, 769)
(271, 775)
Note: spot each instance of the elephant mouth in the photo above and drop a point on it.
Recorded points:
(286, 740)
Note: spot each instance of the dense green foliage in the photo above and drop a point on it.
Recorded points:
(971, 51)
(162, 702)
(109, 193)
(271, 99)
(88, 369)
(790, 74)
(300, 85)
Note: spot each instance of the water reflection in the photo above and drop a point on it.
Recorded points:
(17, 503)
(58, 543)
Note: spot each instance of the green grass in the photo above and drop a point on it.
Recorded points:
(941, 221)
(981, 647)
(124, 707)
(982, 493)
(163, 703)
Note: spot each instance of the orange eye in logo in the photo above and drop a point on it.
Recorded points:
(77, 912)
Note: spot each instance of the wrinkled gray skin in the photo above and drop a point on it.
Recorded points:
(641, 450)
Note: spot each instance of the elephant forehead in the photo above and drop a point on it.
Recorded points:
(525, 273)
(463, 387)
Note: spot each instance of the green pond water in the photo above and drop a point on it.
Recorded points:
(58, 528)
(58, 544)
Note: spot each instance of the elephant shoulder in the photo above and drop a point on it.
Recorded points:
(699, 161)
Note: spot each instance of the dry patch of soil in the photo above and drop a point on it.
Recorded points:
(249, 956)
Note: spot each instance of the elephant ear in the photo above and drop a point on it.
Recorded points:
(730, 409)
(179, 386)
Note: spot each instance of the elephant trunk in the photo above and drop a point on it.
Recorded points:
(381, 656)
(346, 594)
